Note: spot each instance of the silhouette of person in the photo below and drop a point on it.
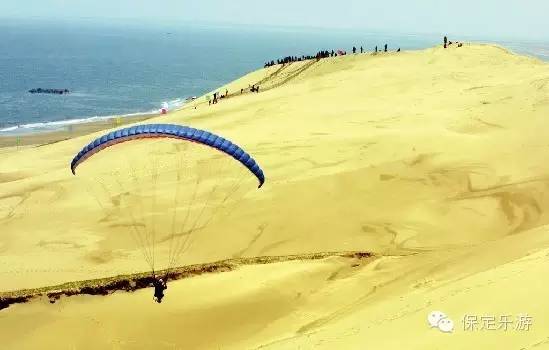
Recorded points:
(159, 287)
(445, 41)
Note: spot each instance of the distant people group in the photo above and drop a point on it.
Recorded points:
(319, 55)
(448, 43)
(385, 49)
(217, 96)
(291, 59)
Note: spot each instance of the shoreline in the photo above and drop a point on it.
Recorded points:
(46, 137)
(27, 135)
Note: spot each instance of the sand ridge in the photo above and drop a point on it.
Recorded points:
(130, 283)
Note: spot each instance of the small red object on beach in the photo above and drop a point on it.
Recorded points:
(163, 111)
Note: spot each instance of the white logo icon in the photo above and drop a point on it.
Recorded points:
(446, 325)
(439, 320)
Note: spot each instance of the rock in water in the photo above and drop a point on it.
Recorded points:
(49, 91)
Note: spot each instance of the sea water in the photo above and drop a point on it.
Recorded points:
(122, 69)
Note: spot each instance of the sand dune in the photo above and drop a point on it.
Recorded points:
(432, 159)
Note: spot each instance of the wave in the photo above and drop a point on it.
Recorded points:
(171, 105)
(175, 104)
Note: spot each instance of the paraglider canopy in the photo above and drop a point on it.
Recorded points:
(170, 131)
(165, 183)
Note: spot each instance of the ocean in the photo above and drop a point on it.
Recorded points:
(117, 69)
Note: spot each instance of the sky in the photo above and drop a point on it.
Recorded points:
(500, 19)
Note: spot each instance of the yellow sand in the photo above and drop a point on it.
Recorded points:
(433, 159)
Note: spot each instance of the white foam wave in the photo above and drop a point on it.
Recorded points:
(171, 105)
(175, 104)
(60, 124)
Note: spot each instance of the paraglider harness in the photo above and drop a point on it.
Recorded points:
(160, 285)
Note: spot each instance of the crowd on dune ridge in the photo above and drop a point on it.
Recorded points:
(319, 55)
(335, 53)
(217, 96)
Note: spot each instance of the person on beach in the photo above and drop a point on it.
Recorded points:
(385, 49)
(159, 287)
(445, 42)
(361, 49)
(354, 50)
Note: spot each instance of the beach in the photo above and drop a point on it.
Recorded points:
(431, 160)
(34, 138)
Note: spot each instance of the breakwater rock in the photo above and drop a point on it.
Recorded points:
(49, 91)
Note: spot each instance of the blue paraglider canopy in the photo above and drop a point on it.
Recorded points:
(169, 131)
